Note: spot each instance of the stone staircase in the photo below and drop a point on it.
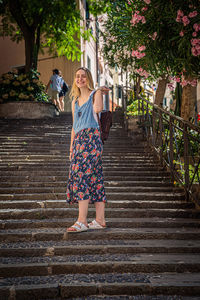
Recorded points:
(150, 250)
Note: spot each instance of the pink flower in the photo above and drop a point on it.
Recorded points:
(147, 1)
(193, 14)
(195, 42)
(154, 36)
(195, 51)
(193, 82)
(196, 27)
(194, 34)
(185, 20)
(178, 19)
(184, 83)
(180, 13)
(143, 20)
(142, 72)
(137, 54)
(141, 48)
(177, 79)
(145, 8)
(141, 55)
(181, 33)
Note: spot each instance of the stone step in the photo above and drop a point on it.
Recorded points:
(162, 195)
(63, 141)
(42, 213)
(111, 222)
(136, 160)
(34, 147)
(111, 183)
(67, 286)
(106, 159)
(116, 189)
(63, 164)
(58, 234)
(45, 178)
(112, 173)
(11, 204)
(53, 168)
(95, 263)
(60, 161)
(91, 247)
(136, 297)
(150, 227)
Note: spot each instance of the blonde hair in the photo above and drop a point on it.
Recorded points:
(75, 91)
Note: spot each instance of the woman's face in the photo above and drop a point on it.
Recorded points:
(81, 79)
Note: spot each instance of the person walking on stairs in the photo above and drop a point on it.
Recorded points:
(55, 86)
(85, 183)
(63, 91)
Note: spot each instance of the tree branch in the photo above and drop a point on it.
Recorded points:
(15, 10)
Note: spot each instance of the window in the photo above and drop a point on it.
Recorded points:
(87, 13)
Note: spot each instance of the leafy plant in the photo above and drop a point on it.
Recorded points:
(22, 87)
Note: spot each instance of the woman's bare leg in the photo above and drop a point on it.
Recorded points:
(83, 211)
(100, 213)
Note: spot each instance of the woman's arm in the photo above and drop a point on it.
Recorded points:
(72, 131)
(98, 101)
(98, 98)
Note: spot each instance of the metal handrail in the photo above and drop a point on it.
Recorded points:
(176, 141)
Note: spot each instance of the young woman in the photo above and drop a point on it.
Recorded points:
(85, 184)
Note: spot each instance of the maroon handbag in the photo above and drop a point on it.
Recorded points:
(105, 122)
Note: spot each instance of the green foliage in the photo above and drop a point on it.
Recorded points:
(132, 109)
(52, 25)
(193, 175)
(22, 87)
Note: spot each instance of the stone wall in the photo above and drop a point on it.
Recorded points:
(27, 110)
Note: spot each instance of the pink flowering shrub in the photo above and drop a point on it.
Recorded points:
(136, 18)
(137, 53)
(182, 80)
(142, 72)
(185, 20)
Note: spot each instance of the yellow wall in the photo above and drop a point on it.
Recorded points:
(13, 55)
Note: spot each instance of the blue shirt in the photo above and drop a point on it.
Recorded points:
(56, 82)
(84, 115)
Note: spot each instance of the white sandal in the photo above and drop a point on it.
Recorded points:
(95, 225)
(77, 227)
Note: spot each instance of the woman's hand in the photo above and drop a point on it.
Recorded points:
(104, 89)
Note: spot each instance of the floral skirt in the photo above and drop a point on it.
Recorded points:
(86, 174)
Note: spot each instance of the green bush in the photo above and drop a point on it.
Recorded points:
(22, 87)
